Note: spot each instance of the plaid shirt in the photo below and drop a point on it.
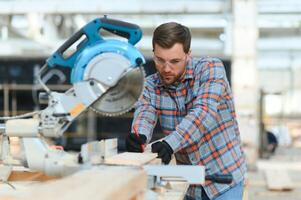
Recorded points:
(198, 117)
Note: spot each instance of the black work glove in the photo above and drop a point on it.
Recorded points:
(133, 142)
(164, 151)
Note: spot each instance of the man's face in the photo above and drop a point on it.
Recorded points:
(170, 63)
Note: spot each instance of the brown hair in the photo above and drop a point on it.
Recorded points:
(168, 34)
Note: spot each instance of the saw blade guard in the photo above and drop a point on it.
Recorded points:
(126, 50)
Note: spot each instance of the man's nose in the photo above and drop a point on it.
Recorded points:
(166, 67)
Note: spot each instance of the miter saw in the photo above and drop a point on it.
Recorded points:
(106, 76)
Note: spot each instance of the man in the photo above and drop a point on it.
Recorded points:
(193, 101)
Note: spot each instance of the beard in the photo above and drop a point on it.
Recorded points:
(169, 79)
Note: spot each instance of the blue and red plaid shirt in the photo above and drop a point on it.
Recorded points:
(198, 117)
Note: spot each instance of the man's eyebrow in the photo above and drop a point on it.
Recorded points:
(170, 59)
(159, 57)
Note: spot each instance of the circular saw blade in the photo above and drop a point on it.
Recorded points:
(122, 97)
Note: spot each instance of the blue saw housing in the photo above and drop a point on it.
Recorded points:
(94, 44)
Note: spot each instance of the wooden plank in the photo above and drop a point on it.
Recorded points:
(156, 161)
(278, 165)
(29, 176)
(278, 180)
(131, 159)
(148, 147)
(7, 197)
(106, 183)
(172, 191)
(175, 191)
(246, 191)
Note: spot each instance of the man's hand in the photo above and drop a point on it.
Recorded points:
(164, 151)
(133, 142)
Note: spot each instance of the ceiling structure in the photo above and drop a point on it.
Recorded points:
(31, 28)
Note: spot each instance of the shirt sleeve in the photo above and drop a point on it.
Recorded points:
(145, 116)
(210, 84)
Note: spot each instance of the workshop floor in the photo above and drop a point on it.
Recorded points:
(258, 188)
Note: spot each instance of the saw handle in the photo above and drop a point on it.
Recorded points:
(132, 32)
(220, 178)
(75, 37)
(58, 58)
(91, 32)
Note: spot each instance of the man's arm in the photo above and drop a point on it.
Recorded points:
(203, 115)
(145, 116)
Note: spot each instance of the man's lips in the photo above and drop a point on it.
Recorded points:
(168, 75)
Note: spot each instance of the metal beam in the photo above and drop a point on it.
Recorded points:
(279, 6)
(109, 7)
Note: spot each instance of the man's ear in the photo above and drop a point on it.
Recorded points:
(189, 53)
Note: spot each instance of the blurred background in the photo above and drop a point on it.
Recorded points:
(259, 42)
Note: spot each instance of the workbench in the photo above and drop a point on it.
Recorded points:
(121, 178)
